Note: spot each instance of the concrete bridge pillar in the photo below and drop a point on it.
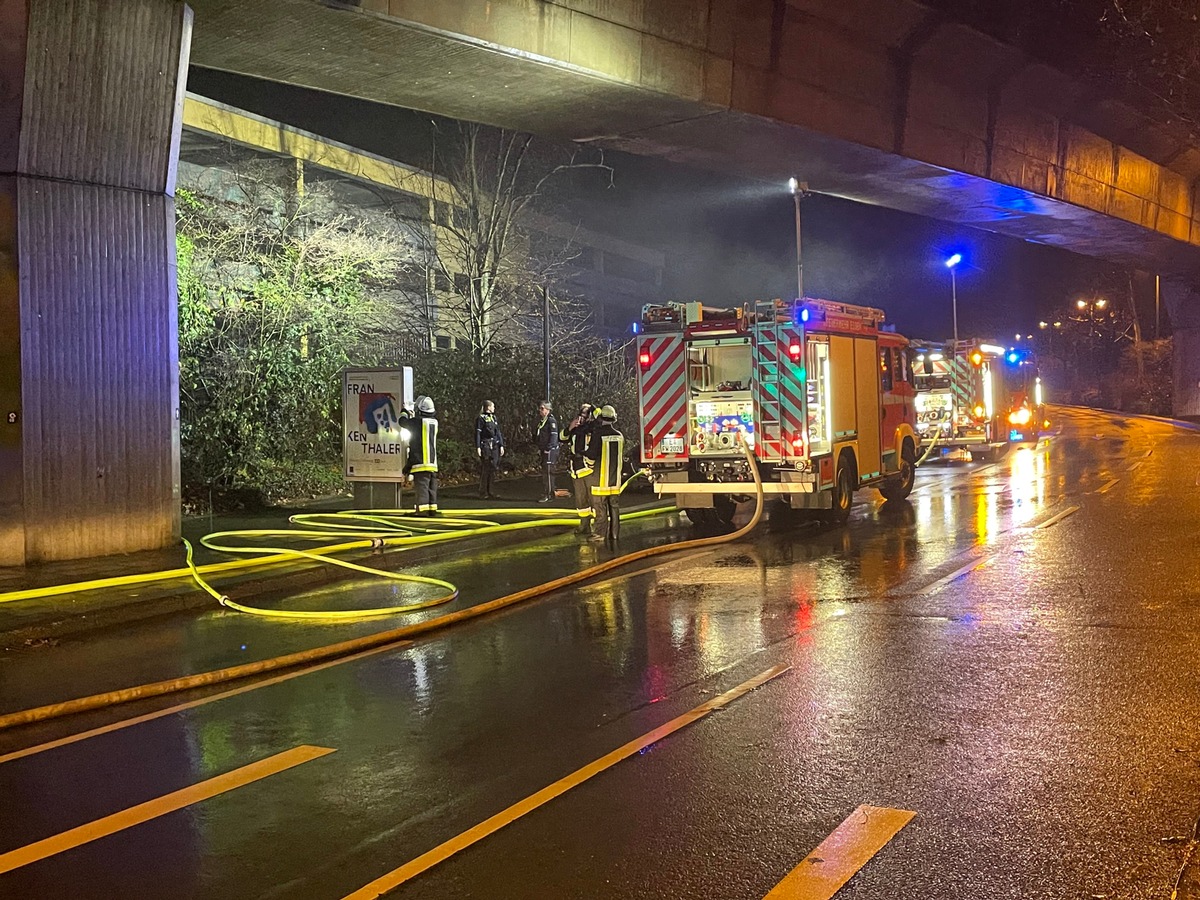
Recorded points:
(1182, 300)
(91, 98)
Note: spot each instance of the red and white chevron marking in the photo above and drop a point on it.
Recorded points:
(662, 395)
(791, 391)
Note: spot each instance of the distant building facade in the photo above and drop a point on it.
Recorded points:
(236, 159)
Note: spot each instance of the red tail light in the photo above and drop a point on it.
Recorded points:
(644, 359)
(794, 352)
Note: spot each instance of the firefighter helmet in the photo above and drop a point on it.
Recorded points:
(608, 413)
(425, 404)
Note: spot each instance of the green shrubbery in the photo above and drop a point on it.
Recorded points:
(269, 319)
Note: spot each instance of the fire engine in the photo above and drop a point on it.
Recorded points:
(821, 392)
(976, 396)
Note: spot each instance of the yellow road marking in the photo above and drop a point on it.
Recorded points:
(1054, 520)
(191, 704)
(159, 806)
(489, 826)
(823, 872)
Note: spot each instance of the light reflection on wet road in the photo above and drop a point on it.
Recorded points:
(1037, 712)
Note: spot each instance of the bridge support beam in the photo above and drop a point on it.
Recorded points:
(1182, 300)
(90, 117)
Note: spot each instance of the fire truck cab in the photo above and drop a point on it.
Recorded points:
(821, 392)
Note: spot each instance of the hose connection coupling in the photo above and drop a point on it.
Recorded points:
(377, 545)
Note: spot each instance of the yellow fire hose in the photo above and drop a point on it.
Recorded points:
(380, 639)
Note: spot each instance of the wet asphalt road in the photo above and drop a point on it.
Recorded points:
(1040, 713)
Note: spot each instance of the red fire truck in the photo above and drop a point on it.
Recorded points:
(976, 396)
(822, 393)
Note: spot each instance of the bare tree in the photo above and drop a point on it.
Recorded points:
(487, 259)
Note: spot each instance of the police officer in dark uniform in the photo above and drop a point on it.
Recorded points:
(546, 438)
(489, 445)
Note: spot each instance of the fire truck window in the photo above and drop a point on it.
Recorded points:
(885, 370)
(820, 433)
(721, 368)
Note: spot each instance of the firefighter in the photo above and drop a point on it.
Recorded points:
(606, 450)
(489, 446)
(546, 438)
(422, 465)
(576, 436)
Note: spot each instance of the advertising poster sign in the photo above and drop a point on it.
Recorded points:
(373, 446)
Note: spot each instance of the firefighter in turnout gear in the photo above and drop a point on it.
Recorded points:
(576, 436)
(606, 450)
(422, 464)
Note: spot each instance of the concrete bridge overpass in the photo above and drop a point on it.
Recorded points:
(875, 100)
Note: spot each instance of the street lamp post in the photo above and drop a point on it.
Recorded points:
(799, 190)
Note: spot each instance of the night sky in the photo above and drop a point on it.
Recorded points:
(729, 240)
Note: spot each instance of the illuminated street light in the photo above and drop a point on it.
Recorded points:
(1043, 325)
(951, 263)
(1082, 304)
(799, 189)
(1101, 303)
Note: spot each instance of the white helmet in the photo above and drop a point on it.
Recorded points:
(607, 412)
(425, 405)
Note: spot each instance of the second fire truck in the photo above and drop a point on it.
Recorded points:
(821, 392)
(976, 396)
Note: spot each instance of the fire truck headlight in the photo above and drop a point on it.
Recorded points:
(978, 412)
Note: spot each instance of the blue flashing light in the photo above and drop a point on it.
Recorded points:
(954, 260)
(636, 327)
(1014, 358)
(804, 314)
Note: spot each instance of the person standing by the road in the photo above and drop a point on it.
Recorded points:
(489, 445)
(576, 436)
(546, 438)
(422, 465)
(606, 450)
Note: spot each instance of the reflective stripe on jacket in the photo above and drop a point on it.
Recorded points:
(608, 450)
(422, 442)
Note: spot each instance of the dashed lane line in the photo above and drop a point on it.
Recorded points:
(936, 586)
(836, 859)
(1104, 489)
(159, 806)
(489, 826)
(1054, 520)
(1137, 465)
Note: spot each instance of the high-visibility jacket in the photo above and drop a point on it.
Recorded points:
(576, 436)
(607, 452)
(422, 442)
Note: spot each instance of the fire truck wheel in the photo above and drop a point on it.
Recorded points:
(843, 494)
(899, 486)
